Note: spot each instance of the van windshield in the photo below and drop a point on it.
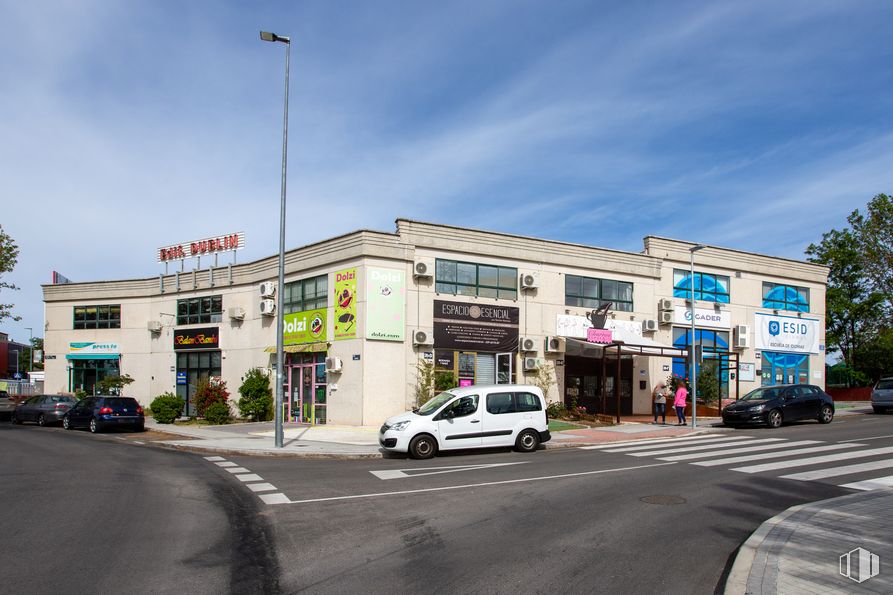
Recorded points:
(434, 404)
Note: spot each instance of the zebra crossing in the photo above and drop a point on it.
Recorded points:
(753, 454)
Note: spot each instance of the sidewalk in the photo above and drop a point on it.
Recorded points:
(799, 551)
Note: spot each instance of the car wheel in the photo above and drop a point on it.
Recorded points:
(41, 420)
(94, 427)
(13, 419)
(528, 441)
(774, 418)
(423, 447)
(66, 423)
(826, 414)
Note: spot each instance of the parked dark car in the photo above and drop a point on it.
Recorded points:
(101, 413)
(774, 405)
(43, 409)
(882, 395)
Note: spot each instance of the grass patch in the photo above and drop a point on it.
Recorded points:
(560, 426)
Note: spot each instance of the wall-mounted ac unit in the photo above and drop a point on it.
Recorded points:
(267, 307)
(422, 269)
(665, 317)
(741, 336)
(649, 325)
(531, 364)
(267, 289)
(333, 364)
(664, 304)
(555, 345)
(530, 280)
(236, 313)
(422, 338)
(527, 344)
(154, 326)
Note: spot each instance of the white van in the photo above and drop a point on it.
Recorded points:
(470, 417)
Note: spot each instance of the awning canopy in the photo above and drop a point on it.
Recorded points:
(93, 356)
(641, 346)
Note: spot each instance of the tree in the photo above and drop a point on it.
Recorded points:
(874, 235)
(9, 256)
(257, 396)
(209, 392)
(112, 385)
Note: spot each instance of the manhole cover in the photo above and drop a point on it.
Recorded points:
(663, 500)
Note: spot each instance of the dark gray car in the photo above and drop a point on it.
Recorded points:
(43, 409)
(882, 395)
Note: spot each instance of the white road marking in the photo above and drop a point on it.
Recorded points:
(245, 477)
(214, 459)
(686, 444)
(237, 470)
(274, 498)
(138, 442)
(261, 487)
(476, 485)
(775, 455)
(877, 483)
(814, 460)
(648, 442)
(836, 471)
(736, 451)
(872, 438)
(718, 447)
(401, 473)
(226, 464)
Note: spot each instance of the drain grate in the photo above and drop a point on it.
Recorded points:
(663, 500)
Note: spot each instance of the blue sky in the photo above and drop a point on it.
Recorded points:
(131, 125)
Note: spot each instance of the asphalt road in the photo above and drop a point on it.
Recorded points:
(569, 520)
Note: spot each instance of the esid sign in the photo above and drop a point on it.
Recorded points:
(786, 333)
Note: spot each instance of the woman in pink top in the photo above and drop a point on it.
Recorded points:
(679, 403)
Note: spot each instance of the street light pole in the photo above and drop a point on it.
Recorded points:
(280, 292)
(691, 344)
(31, 349)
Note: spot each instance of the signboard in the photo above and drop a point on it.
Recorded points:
(747, 371)
(59, 279)
(578, 327)
(346, 304)
(304, 327)
(213, 245)
(475, 327)
(789, 334)
(197, 338)
(93, 348)
(181, 378)
(599, 335)
(385, 304)
(704, 317)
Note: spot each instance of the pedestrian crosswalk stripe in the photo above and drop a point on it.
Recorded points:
(837, 471)
(649, 442)
(877, 483)
(843, 456)
(775, 455)
(718, 447)
(745, 447)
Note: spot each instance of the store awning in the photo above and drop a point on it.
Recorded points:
(305, 348)
(93, 356)
(640, 346)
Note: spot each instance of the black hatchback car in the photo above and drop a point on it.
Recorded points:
(774, 405)
(101, 413)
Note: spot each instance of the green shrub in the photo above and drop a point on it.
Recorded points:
(217, 413)
(208, 393)
(556, 410)
(166, 408)
(444, 381)
(257, 396)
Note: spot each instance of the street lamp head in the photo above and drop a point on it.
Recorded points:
(267, 36)
(697, 247)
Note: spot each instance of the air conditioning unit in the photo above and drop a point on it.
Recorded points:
(267, 307)
(333, 364)
(236, 313)
(422, 269)
(649, 326)
(665, 317)
(555, 345)
(527, 344)
(664, 304)
(531, 364)
(422, 338)
(530, 280)
(742, 336)
(154, 326)
(267, 289)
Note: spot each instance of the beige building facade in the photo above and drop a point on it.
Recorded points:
(365, 310)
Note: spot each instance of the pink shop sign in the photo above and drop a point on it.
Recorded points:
(599, 335)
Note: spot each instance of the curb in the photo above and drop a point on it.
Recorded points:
(264, 453)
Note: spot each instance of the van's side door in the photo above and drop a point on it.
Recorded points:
(501, 417)
(459, 423)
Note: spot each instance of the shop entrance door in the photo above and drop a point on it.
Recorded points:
(504, 368)
(307, 390)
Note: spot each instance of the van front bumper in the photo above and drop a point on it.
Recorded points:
(395, 441)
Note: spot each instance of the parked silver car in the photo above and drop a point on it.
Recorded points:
(43, 409)
(882, 395)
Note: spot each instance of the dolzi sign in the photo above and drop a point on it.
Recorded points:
(385, 304)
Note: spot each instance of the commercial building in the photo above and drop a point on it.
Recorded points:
(364, 310)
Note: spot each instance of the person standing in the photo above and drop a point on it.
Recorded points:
(679, 402)
(659, 398)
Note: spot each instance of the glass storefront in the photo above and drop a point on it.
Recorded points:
(306, 388)
(474, 367)
(198, 366)
(713, 345)
(784, 368)
(85, 373)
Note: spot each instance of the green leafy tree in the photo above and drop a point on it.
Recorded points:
(256, 401)
(425, 377)
(113, 385)
(708, 382)
(874, 235)
(9, 256)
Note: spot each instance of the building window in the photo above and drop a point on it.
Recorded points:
(307, 294)
(587, 292)
(97, 317)
(785, 297)
(466, 278)
(708, 287)
(200, 310)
